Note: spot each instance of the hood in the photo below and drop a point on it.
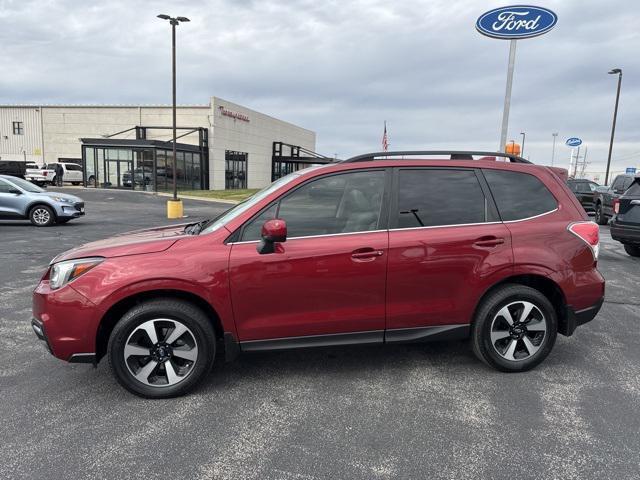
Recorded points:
(151, 240)
(66, 196)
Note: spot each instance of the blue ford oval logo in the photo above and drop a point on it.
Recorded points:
(573, 142)
(518, 21)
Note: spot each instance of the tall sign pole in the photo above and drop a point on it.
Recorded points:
(507, 96)
(513, 23)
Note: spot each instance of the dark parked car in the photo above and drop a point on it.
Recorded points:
(585, 192)
(625, 226)
(606, 197)
(371, 250)
(15, 168)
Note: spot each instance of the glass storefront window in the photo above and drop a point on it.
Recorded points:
(235, 170)
(141, 168)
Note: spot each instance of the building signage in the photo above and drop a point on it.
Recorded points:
(631, 171)
(518, 21)
(573, 142)
(235, 115)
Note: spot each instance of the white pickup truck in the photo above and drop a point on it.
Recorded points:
(39, 175)
(72, 172)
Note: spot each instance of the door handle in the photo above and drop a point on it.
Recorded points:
(488, 241)
(366, 253)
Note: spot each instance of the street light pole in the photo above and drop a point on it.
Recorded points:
(522, 150)
(613, 126)
(174, 210)
(553, 149)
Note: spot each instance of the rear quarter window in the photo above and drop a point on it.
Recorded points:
(634, 189)
(519, 195)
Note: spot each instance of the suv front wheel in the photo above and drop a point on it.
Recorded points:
(514, 329)
(162, 348)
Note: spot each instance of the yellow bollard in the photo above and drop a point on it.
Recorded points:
(175, 209)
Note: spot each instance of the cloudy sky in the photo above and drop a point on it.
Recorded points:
(343, 67)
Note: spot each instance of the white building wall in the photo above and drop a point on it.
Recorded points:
(64, 126)
(53, 132)
(255, 137)
(20, 147)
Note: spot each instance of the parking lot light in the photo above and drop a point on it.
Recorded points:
(174, 206)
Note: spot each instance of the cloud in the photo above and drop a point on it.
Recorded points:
(342, 67)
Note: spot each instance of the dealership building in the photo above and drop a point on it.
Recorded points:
(221, 145)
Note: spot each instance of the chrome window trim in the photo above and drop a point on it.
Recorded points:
(409, 228)
(315, 236)
(535, 216)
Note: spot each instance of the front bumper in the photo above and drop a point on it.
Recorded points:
(66, 321)
(625, 233)
(576, 318)
(38, 329)
(70, 210)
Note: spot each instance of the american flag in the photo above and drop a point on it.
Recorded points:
(385, 139)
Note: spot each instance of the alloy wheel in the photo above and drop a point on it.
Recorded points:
(518, 331)
(41, 216)
(161, 352)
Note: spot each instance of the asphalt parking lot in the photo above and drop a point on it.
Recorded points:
(409, 411)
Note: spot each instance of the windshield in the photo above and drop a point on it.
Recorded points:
(248, 203)
(24, 185)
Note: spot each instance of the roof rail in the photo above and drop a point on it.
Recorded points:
(366, 157)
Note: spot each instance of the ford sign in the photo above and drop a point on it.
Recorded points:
(573, 142)
(518, 21)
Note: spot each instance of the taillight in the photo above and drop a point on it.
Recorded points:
(616, 206)
(588, 232)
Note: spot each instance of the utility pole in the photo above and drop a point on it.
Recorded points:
(613, 126)
(553, 149)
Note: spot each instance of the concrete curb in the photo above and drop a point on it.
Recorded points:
(158, 194)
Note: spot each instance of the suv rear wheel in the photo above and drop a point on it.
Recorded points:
(601, 218)
(632, 250)
(162, 348)
(514, 329)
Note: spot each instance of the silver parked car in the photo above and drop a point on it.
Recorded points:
(20, 199)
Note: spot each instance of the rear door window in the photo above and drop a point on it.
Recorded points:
(519, 195)
(439, 197)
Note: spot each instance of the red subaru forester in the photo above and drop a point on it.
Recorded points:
(380, 248)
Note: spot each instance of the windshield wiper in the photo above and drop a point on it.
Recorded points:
(195, 228)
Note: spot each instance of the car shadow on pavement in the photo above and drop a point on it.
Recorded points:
(348, 362)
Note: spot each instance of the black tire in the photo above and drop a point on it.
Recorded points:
(42, 216)
(200, 330)
(600, 217)
(632, 250)
(481, 330)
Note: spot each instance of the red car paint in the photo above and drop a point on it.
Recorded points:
(374, 281)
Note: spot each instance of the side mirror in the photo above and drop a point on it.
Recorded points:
(16, 191)
(273, 231)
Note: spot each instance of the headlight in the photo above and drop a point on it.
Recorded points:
(63, 200)
(64, 272)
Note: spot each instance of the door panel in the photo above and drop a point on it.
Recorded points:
(436, 275)
(310, 286)
(11, 204)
